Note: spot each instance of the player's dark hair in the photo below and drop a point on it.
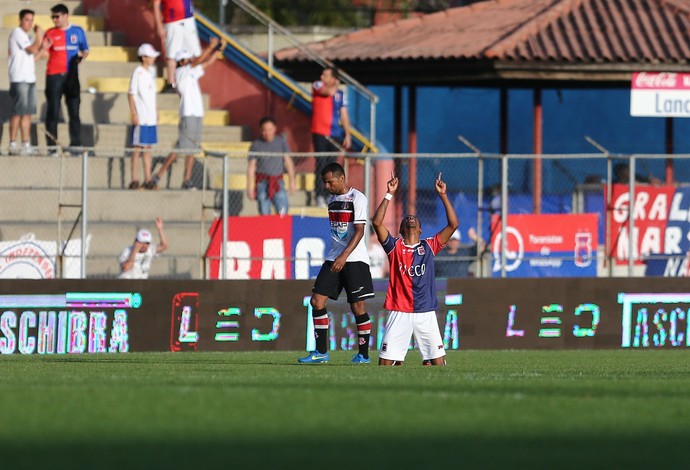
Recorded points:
(335, 168)
(266, 119)
(60, 8)
(25, 12)
(334, 72)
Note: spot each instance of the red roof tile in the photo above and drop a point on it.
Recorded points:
(563, 31)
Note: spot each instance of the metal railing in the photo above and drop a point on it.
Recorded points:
(108, 214)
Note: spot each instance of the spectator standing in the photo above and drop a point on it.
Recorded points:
(189, 70)
(330, 124)
(135, 260)
(621, 175)
(346, 266)
(144, 112)
(22, 73)
(411, 297)
(176, 27)
(455, 259)
(67, 47)
(265, 173)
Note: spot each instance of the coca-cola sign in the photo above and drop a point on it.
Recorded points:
(660, 94)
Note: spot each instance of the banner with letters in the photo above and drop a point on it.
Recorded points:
(29, 258)
(546, 245)
(107, 316)
(661, 228)
(269, 247)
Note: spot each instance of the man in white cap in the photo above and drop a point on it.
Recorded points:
(189, 70)
(135, 260)
(144, 112)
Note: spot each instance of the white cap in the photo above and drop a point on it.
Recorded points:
(456, 236)
(144, 236)
(147, 50)
(183, 54)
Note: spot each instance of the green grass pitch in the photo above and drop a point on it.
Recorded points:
(486, 409)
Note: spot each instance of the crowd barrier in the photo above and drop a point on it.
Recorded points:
(98, 316)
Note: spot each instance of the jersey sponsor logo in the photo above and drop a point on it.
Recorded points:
(416, 270)
(73, 38)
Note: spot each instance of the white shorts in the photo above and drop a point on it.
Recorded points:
(399, 330)
(179, 35)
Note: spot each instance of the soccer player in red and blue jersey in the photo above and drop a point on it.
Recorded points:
(411, 297)
(67, 46)
(330, 125)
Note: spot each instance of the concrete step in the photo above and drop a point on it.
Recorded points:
(98, 108)
(118, 84)
(109, 238)
(165, 266)
(112, 54)
(112, 139)
(94, 38)
(87, 70)
(212, 117)
(41, 7)
(88, 23)
(104, 205)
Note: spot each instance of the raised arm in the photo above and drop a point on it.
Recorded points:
(447, 231)
(163, 241)
(380, 214)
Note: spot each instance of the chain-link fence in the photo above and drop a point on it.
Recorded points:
(520, 215)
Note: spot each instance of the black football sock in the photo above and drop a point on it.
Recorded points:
(363, 333)
(321, 329)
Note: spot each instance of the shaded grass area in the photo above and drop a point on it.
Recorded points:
(486, 409)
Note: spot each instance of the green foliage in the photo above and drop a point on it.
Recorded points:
(486, 409)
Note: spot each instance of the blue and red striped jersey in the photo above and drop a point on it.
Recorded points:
(66, 44)
(412, 285)
(325, 114)
(175, 10)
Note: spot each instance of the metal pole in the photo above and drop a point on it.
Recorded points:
(609, 196)
(480, 194)
(504, 212)
(223, 251)
(372, 122)
(631, 217)
(221, 13)
(84, 212)
(270, 50)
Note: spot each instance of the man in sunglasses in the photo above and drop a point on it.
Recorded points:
(66, 45)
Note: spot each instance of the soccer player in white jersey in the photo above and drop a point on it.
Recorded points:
(411, 297)
(346, 266)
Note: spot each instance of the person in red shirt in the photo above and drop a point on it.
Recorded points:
(330, 125)
(67, 47)
(176, 26)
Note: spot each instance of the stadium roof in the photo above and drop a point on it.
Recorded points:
(515, 40)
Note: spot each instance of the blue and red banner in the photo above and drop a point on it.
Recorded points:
(547, 245)
(269, 247)
(661, 228)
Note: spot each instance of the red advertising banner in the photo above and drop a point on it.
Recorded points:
(258, 248)
(652, 206)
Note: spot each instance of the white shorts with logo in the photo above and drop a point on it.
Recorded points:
(400, 328)
(179, 35)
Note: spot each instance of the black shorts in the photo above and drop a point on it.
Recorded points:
(355, 278)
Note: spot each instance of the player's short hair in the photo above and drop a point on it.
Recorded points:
(335, 168)
(266, 119)
(334, 72)
(25, 12)
(60, 8)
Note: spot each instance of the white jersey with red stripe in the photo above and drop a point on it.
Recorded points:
(344, 212)
(412, 286)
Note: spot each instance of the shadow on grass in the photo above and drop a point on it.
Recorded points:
(657, 451)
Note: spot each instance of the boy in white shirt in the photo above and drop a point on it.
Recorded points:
(144, 111)
(189, 71)
(22, 71)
